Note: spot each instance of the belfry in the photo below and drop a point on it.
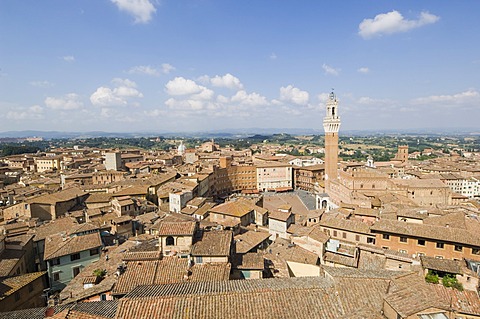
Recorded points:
(331, 125)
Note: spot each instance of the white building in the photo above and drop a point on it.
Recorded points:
(274, 176)
(178, 200)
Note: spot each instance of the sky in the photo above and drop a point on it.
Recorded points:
(206, 65)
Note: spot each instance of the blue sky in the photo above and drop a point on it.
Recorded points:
(200, 65)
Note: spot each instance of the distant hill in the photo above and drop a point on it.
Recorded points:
(256, 133)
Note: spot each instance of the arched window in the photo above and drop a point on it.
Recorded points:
(170, 241)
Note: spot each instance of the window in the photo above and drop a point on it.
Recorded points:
(76, 271)
(370, 240)
(55, 262)
(475, 251)
(421, 242)
(74, 256)
(199, 260)
(458, 248)
(403, 239)
(103, 297)
(357, 237)
(386, 236)
(440, 245)
(403, 251)
(56, 276)
(94, 251)
(344, 235)
(170, 241)
(334, 233)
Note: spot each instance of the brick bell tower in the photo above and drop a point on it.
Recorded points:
(331, 125)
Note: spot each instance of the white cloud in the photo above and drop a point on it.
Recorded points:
(252, 99)
(141, 10)
(227, 81)
(363, 70)
(35, 112)
(41, 84)
(144, 69)
(330, 70)
(182, 86)
(70, 101)
(468, 96)
(294, 95)
(167, 68)
(393, 22)
(120, 95)
(68, 58)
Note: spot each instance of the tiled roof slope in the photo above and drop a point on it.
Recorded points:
(58, 245)
(213, 243)
(448, 234)
(9, 285)
(312, 297)
(166, 271)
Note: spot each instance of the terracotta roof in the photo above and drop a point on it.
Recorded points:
(318, 235)
(262, 298)
(142, 255)
(168, 270)
(98, 198)
(58, 245)
(281, 216)
(410, 294)
(53, 227)
(213, 243)
(466, 302)
(249, 240)
(9, 285)
(237, 208)
(61, 196)
(444, 265)
(9, 258)
(448, 234)
(250, 261)
(339, 259)
(176, 228)
(352, 225)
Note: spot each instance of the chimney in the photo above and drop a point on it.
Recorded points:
(49, 312)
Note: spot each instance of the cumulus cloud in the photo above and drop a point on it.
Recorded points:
(252, 99)
(70, 101)
(468, 96)
(227, 81)
(141, 10)
(393, 22)
(68, 58)
(181, 86)
(363, 70)
(294, 95)
(122, 94)
(330, 70)
(35, 112)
